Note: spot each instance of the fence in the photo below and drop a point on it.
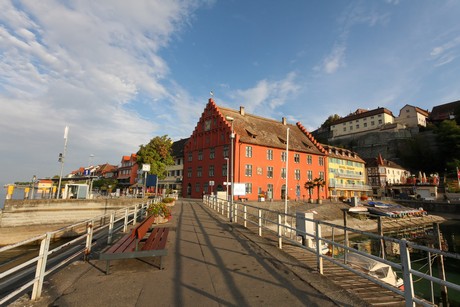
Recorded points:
(277, 223)
(81, 245)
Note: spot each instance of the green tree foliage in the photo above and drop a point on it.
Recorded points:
(157, 153)
(448, 139)
(330, 120)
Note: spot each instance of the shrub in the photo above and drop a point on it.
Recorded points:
(168, 200)
(159, 209)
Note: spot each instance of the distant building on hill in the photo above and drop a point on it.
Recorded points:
(445, 111)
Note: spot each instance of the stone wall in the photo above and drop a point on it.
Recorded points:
(58, 211)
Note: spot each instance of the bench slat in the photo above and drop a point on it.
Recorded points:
(122, 244)
(157, 239)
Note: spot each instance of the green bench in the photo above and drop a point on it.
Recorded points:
(139, 243)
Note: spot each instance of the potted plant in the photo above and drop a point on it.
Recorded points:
(169, 201)
(160, 211)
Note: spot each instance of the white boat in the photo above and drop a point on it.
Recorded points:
(376, 269)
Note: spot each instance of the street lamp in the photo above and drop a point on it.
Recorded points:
(226, 183)
(232, 137)
(34, 178)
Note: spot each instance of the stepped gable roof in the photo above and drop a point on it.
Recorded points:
(360, 113)
(257, 130)
(177, 148)
(342, 153)
(444, 111)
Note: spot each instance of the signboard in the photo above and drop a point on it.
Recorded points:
(239, 189)
(211, 183)
(146, 167)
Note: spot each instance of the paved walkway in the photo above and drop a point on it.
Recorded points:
(210, 263)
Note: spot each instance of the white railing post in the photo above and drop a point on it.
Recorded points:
(280, 239)
(112, 221)
(89, 239)
(135, 214)
(41, 267)
(407, 276)
(260, 222)
(228, 209)
(125, 225)
(319, 258)
(235, 213)
(245, 210)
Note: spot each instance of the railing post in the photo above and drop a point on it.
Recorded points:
(228, 209)
(89, 239)
(135, 215)
(407, 276)
(41, 267)
(125, 225)
(260, 222)
(319, 258)
(112, 219)
(245, 209)
(280, 239)
(235, 214)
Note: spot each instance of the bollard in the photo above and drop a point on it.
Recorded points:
(89, 240)
(235, 213)
(260, 222)
(245, 210)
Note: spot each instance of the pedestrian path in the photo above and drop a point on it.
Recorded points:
(209, 263)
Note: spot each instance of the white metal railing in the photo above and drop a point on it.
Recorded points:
(260, 217)
(129, 215)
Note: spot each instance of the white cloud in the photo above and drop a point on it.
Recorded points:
(266, 96)
(82, 64)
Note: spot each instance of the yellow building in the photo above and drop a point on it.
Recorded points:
(346, 173)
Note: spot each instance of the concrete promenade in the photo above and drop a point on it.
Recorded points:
(210, 263)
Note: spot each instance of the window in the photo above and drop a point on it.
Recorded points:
(212, 153)
(283, 156)
(189, 157)
(297, 174)
(321, 175)
(197, 187)
(269, 171)
(211, 171)
(224, 169)
(248, 170)
(248, 187)
(199, 171)
(357, 126)
(380, 121)
(225, 151)
(200, 155)
(321, 161)
(269, 154)
(248, 151)
(365, 125)
(283, 173)
(296, 158)
(309, 159)
(309, 175)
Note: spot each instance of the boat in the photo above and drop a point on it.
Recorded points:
(376, 269)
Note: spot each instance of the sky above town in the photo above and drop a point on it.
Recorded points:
(119, 73)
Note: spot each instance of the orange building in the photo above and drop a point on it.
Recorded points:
(265, 152)
(127, 172)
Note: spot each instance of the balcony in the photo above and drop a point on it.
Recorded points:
(349, 176)
(353, 187)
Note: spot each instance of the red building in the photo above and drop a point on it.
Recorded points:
(265, 151)
(127, 172)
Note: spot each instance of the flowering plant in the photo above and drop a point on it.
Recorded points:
(159, 209)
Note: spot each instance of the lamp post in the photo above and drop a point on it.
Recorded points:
(34, 178)
(226, 183)
(61, 159)
(232, 137)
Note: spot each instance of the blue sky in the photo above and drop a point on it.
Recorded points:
(121, 72)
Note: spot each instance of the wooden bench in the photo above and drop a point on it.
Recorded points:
(139, 243)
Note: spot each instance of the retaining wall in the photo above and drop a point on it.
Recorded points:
(59, 211)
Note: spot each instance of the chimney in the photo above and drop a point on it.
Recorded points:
(242, 110)
(283, 120)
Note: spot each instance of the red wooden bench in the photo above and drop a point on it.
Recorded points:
(139, 243)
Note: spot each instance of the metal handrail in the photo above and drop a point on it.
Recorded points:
(404, 266)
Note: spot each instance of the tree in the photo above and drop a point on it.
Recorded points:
(448, 139)
(157, 153)
(309, 185)
(319, 183)
(330, 120)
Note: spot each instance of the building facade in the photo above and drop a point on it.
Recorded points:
(412, 116)
(174, 173)
(382, 174)
(127, 174)
(267, 154)
(347, 175)
(361, 121)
